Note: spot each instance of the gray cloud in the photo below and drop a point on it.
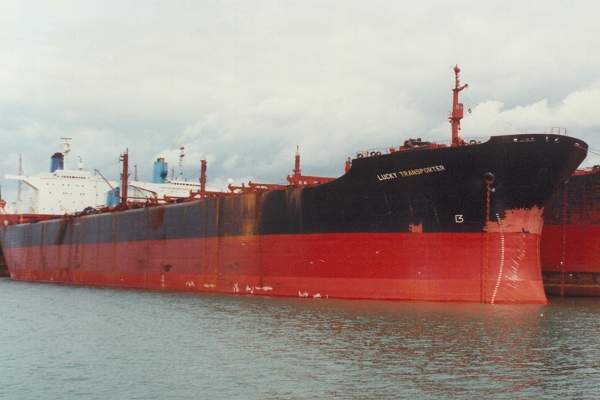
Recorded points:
(242, 83)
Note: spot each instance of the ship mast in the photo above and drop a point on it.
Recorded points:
(181, 155)
(297, 171)
(202, 176)
(296, 178)
(66, 150)
(2, 202)
(124, 178)
(457, 108)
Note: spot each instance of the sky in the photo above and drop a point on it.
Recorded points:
(242, 83)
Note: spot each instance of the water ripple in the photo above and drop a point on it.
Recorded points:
(61, 342)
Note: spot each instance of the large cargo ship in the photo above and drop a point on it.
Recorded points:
(420, 222)
(571, 237)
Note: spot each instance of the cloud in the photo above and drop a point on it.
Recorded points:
(242, 83)
(578, 112)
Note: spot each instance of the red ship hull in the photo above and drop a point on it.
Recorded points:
(495, 267)
(11, 219)
(570, 247)
(579, 246)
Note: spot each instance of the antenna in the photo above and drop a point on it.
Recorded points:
(181, 155)
(457, 107)
(66, 145)
(135, 176)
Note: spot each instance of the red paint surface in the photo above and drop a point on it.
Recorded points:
(581, 248)
(570, 256)
(472, 267)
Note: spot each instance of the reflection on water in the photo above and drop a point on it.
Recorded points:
(70, 342)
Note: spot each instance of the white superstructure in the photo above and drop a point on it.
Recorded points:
(170, 188)
(66, 190)
(62, 191)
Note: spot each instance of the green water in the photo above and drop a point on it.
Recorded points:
(61, 342)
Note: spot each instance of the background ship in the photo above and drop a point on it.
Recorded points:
(571, 238)
(418, 222)
(68, 188)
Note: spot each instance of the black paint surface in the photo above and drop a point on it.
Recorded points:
(526, 170)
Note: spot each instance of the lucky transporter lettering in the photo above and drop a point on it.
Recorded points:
(410, 172)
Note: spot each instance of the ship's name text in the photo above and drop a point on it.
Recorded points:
(410, 172)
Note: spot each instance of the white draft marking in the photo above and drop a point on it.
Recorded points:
(501, 269)
(263, 288)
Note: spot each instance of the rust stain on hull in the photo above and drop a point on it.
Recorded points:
(519, 220)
